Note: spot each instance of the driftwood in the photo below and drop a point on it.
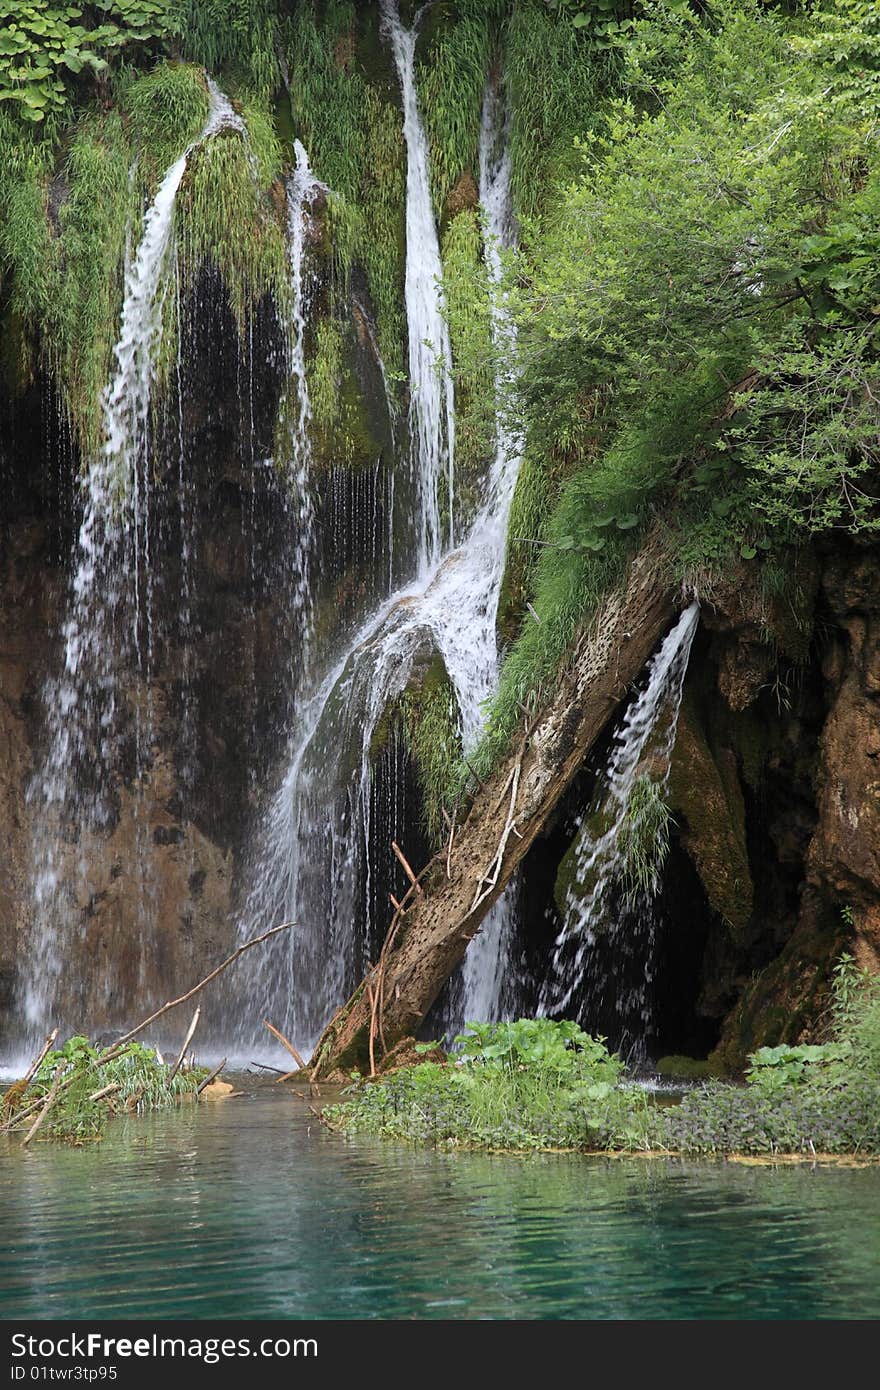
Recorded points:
(186, 1042)
(49, 1102)
(429, 933)
(208, 1079)
(38, 1060)
(285, 1042)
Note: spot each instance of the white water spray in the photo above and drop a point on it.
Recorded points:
(303, 189)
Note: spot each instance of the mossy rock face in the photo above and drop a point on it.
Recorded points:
(705, 795)
(785, 1002)
(572, 883)
(425, 716)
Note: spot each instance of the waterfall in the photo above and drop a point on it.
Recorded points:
(302, 191)
(108, 616)
(432, 407)
(643, 744)
(313, 857)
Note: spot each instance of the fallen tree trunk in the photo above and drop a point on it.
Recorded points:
(441, 914)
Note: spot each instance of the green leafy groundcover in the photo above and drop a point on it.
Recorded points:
(91, 1086)
(538, 1084)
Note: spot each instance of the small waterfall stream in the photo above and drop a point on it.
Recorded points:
(595, 906)
(432, 405)
(302, 190)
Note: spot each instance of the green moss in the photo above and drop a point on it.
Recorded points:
(240, 36)
(343, 427)
(455, 47)
(570, 582)
(680, 1068)
(554, 86)
(227, 217)
(426, 718)
(469, 314)
(531, 504)
(786, 1000)
(340, 85)
(431, 728)
(383, 200)
(92, 225)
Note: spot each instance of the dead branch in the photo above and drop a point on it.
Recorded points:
(285, 1042)
(372, 998)
(50, 1101)
(212, 1077)
(38, 1061)
(173, 1003)
(106, 1090)
(406, 867)
(186, 1042)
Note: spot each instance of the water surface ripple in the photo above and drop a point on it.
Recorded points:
(250, 1209)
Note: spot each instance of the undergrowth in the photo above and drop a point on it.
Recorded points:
(90, 1090)
(540, 1084)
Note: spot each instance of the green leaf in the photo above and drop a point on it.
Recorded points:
(748, 552)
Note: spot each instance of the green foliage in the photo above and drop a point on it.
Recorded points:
(43, 44)
(91, 1089)
(554, 81)
(844, 40)
(570, 580)
(856, 1016)
(536, 1084)
(92, 227)
(776, 1068)
(239, 35)
(166, 108)
(643, 839)
(61, 245)
(561, 1049)
(529, 1085)
(451, 79)
(227, 218)
(469, 314)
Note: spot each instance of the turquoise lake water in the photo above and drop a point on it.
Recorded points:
(250, 1208)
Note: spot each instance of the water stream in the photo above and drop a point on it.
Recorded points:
(594, 904)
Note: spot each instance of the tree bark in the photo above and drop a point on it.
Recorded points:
(431, 935)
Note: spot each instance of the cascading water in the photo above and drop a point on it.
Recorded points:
(108, 615)
(302, 190)
(314, 855)
(432, 408)
(597, 911)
